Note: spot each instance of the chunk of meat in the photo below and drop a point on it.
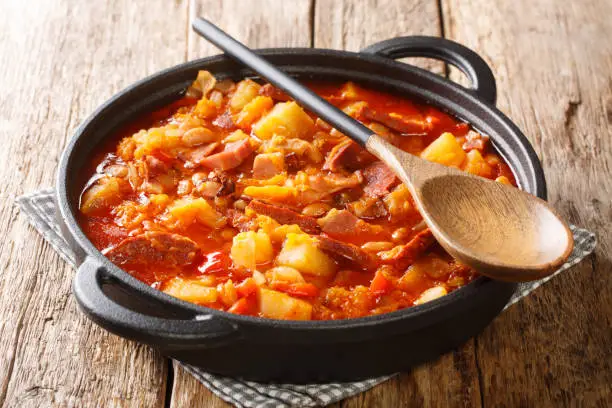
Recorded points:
(233, 155)
(404, 255)
(475, 141)
(274, 93)
(344, 225)
(267, 165)
(413, 125)
(379, 179)
(196, 156)
(154, 247)
(286, 216)
(368, 208)
(345, 155)
(343, 251)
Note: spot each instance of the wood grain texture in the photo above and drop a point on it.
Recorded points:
(353, 25)
(59, 61)
(553, 61)
(258, 24)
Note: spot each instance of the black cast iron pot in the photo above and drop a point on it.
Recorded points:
(297, 351)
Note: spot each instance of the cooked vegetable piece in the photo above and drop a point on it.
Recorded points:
(186, 211)
(285, 119)
(250, 249)
(445, 150)
(276, 305)
(302, 253)
(245, 92)
(191, 291)
(431, 294)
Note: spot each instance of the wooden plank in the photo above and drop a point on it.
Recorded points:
(61, 60)
(259, 24)
(553, 61)
(451, 380)
(354, 24)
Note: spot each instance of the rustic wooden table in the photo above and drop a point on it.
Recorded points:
(553, 63)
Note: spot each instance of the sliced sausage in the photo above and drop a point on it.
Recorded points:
(286, 216)
(154, 247)
(405, 255)
(378, 179)
(343, 251)
(274, 93)
(413, 125)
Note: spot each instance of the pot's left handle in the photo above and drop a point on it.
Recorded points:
(201, 330)
(466, 60)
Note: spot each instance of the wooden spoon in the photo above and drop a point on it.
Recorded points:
(499, 230)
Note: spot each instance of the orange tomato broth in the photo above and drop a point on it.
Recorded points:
(350, 291)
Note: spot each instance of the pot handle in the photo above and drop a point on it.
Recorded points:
(200, 330)
(466, 60)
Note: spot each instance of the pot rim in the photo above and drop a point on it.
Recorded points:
(74, 229)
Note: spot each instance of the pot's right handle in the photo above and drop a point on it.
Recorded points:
(469, 62)
(200, 330)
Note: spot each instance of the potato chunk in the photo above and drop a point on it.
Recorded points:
(104, 194)
(445, 150)
(285, 274)
(191, 291)
(188, 210)
(286, 119)
(301, 252)
(254, 110)
(251, 248)
(477, 165)
(277, 305)
(246, 91)
(431, 294)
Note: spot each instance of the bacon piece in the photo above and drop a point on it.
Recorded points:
(343, 251)
(378, 178)
(233, 155)
(413, 125)
(202, 152)
(286, 216)
(154, 247)
(343, 224)
(405, 255)
(267, 165)
(475, 141)
(346, 155)
(274, 93)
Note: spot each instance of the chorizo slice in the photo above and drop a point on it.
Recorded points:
(286, 216)
(154, 247)
(379, 179)
(404, 255)
(274, 93)
(342, 251)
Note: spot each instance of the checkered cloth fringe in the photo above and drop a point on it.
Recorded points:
(39, 208)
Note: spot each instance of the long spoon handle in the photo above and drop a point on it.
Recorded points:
(341, 121)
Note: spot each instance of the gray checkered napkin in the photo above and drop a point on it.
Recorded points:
(39, 208)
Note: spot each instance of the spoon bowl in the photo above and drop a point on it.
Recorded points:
(499, 230)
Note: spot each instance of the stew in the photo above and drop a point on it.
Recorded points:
(235, 198)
